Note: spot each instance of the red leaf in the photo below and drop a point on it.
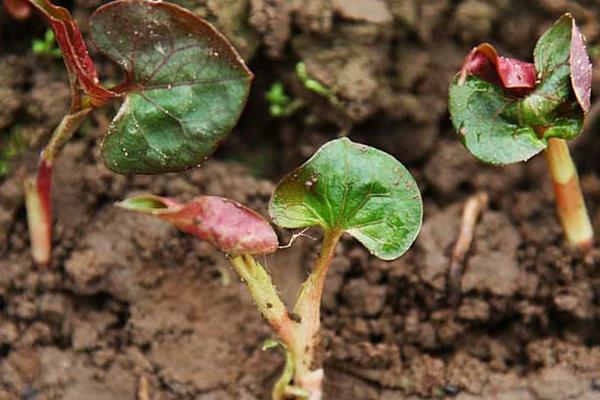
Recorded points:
(581, 69)
(230, 226)
(18, 9)
(74, 50)
(515, 75)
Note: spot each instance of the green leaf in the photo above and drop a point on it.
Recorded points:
(185, 90)
(551, 58)
(553, 48)
(477, 108)
(499, 128)
(353, 188)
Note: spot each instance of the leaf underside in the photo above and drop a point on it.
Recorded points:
(499, 128)
(185, 86)
(349, 187)
(231, 227)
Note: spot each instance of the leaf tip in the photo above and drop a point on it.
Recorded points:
(581, 68)
(145, 204)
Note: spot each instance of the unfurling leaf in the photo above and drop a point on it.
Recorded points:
(499, 125)
(353, 188)
(231, 227)
(510, 73)
(185, 86)
(81, 68)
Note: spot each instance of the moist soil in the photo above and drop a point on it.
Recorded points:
(130, 308)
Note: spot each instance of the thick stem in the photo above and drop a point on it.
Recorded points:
(38, 190)
(265, 296)
(63, 132)
(273, 310)
(299, 334)
(39, 213)
(571, 208)
(307, 375)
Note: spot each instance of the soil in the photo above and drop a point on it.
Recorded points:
(130, 303)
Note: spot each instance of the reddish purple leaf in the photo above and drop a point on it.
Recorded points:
(484, 62)
(230, 226)
(80, 65)
(581, 69)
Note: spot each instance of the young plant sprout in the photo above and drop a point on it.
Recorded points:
(344, 188)
(46, 46)
(506, 111)
(185, 87)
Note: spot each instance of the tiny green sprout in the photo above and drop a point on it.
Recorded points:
(280, 104)
(11, 145)
(185, 87)
(314, 85)
(506, 111)
(46, 46)
(344, 188)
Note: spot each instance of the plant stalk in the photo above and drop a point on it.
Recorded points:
(272, 309)
(570, 204)
(38, 190)
(308, 375)
(265, 295)
(299, 335)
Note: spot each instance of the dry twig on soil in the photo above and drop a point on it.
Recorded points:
(473, 207)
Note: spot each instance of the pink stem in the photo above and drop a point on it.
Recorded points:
(37, 191)
(39, 212)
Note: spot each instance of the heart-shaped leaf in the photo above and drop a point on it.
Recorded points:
(353, 188)
(501, 126)
(185, 86)
(231, 227)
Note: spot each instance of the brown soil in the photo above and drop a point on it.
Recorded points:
(130, 301)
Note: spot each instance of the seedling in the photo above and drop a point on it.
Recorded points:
(314, 85)
(280, 104)
(184, 89)
(344, 188)
(506, 111)
(12, 144)
(46, 46)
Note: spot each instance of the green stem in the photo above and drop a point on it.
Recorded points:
(300, 336)
(282, 389)
(272, 309)
(265, 295)
(63, 132)
(307, 375)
